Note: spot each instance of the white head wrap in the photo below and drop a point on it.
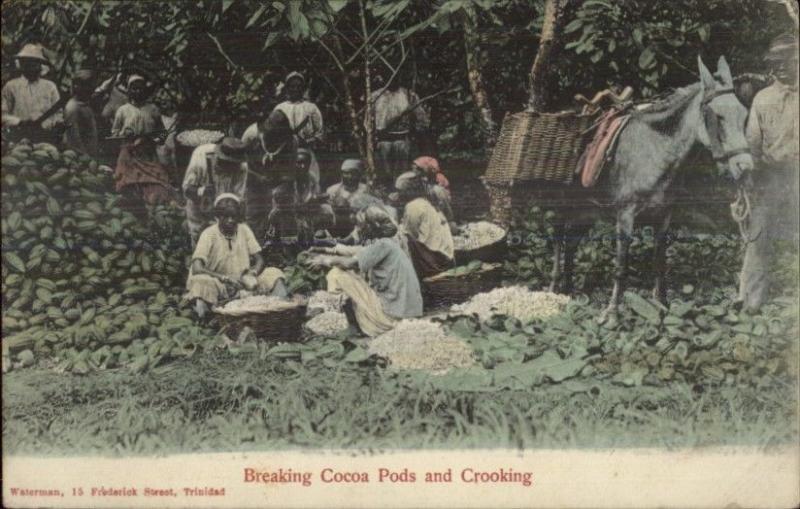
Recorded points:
(134, 77)
(229, 196)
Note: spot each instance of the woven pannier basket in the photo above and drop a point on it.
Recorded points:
(539, 146)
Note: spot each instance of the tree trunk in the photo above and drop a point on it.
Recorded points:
(475, 78)
(349, 103)
(539, 99)
(369, 137)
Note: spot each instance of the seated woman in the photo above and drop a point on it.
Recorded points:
(429, 241)
(358, 203)
(437, 184)
(429, 168)
(226, 252)
(377, 277)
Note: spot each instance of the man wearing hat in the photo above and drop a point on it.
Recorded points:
(81, 124)
(772, 131)
(28, 97)
(214, 168)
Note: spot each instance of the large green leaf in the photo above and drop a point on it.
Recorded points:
(647, 58)
(256, 16)
(298, 22)
(337, 5)
(643, 308)
(464, 379)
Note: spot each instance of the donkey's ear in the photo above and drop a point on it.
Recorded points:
(706, 79)
(724, 72)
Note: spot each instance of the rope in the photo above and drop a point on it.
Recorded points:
(741, 211)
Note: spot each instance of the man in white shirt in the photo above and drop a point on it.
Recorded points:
(28, 97)
(214, 169)
(395, 123)
(774, 137)
(303, 115)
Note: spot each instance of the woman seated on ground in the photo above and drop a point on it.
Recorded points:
(377, 277)
(228, 259)
(429, 168)
(358, 203)
(428, 239)
(437, 184)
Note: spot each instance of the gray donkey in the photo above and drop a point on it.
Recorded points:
(649, 151)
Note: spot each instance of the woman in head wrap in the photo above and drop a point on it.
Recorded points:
(358, 203)
(378, 278)
(429, 168)
(429, 241)
(438, 186)
(139, 174)
(228, 259)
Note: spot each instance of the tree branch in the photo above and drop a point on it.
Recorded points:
(368, 38)
(332, 54)
(222, 51)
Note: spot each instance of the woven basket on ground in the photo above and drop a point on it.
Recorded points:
(441, 291)
(539, 146)
(493, 252)
(284, 324)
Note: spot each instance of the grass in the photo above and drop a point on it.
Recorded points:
(221, 402)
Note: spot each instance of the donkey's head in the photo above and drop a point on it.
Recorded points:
(724, 119)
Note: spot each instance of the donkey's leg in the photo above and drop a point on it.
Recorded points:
(571, 243)
(555, 274)
(625, 219)
(661, 231)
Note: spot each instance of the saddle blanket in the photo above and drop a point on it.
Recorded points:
(599, 150)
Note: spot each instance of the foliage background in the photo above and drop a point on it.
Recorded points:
(216, 57)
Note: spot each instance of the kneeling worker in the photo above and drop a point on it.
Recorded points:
(377, 278)
(226, 253)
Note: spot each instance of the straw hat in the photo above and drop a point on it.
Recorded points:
(32, 52)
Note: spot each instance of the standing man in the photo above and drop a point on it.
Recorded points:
(305, 120)
(28, 97)
(304, 116)
(213, 169)
(397, 116)
(772, 132)
(81, 125)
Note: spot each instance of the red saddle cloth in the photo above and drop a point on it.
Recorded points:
(597, 152)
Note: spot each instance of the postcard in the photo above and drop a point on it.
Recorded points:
(386, 253)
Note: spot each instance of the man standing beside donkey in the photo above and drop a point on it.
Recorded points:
(772, 132)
